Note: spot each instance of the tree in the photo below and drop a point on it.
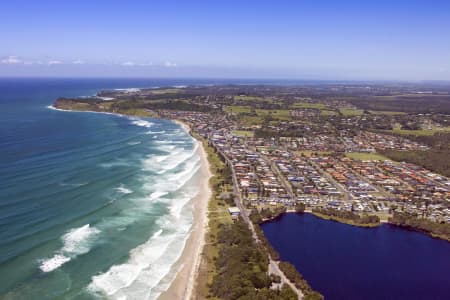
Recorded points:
(300, 207)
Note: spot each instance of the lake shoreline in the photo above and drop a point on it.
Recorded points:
(351, 223)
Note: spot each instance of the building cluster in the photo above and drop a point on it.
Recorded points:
(363, 141)
(270, 172)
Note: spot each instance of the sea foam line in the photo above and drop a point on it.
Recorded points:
(85, 111)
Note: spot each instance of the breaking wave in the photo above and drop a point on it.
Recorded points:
(161, 189)
(75, 242)
(123, 190)
(147, 271)
(142, 123)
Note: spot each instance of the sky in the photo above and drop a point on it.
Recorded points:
(279, 39)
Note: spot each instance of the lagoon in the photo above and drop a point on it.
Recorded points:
(348, 262)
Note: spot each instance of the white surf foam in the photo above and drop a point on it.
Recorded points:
(123, 190)
(142, 123)
(141, 276)
(116, 163)
(170, 142)
(155, 132)
(134, 143)
(164, 163)
(128, 90)
(84, 111)
(157, 195)
(53, 263)
(75, 242)
(121, 276)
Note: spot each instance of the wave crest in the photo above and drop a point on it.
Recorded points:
(75, 242)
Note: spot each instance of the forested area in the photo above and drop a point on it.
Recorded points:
(435, 159)
(347, 216)
(169, 105)
(242, 267)
(405, 103)
(441, 230)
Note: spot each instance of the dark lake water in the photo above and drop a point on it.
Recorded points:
(348, 262)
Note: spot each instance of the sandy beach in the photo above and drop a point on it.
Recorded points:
(182, 287)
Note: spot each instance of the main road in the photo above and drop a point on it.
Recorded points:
(273, 265)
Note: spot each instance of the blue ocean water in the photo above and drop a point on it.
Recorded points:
(353, 263)
(91, 205)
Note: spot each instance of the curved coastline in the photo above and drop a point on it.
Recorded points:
(181, 279)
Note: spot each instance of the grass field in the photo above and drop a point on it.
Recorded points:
(277, 114)
(394, 97)
(250, 120)
(236, 109)
(253, 98)
(309, 105)
(365, 156)
(387, 113)
(324, 112)
(351, 112)
(280, 114)
(165, 91)
(243, 133)
(419, 132)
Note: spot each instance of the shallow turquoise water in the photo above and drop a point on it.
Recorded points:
(90, 204)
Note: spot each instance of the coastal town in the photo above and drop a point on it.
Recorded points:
(293, 150)
(307, 170)
(290, 145)
(273, 173)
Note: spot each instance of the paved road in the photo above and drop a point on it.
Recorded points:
(273, 265)
(280, 176)
(274, 269)
(347, 194)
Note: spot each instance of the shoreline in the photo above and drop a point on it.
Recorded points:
(345, 221)
(369, 225)
(183, 284)
(187, 266)
(324, 217)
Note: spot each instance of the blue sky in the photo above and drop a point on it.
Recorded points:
(316, 39)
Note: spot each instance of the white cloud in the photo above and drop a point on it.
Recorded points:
(11, 60)
(78, 62)
(134, 64)
(54, 62)
(128, 64)
(169, 64)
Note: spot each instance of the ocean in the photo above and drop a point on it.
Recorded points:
(92, 205)
(345, 262)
